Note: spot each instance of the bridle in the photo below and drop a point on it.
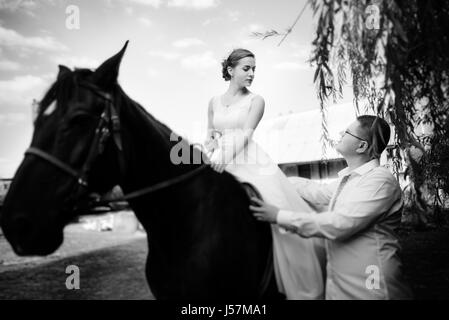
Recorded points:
(109, 116)
(109, 123)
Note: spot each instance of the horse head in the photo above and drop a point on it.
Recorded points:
(75, 132)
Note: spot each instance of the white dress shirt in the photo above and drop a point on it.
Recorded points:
(361, 245)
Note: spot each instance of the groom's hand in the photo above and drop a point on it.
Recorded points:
(263, 211)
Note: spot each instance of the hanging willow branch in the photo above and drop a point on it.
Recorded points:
(396, 53)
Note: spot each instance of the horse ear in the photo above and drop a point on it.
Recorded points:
(63, 70)
(106, 74)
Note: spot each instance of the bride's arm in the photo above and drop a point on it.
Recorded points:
(241, 140)
(209, 143)
(317, 194)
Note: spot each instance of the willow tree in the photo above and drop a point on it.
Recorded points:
(396, 56)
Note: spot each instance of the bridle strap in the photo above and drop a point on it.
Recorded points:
(56, 162)
(113, 121)
(97, 146)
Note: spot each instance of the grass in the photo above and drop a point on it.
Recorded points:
(426, 261)
(117, 271)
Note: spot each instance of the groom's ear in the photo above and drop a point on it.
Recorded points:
(363, 147)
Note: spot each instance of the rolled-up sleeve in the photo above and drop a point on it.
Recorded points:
(370, 200)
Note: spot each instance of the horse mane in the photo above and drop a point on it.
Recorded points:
(128, 103)
(163, 130)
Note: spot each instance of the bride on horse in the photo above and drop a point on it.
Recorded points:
(235, 115)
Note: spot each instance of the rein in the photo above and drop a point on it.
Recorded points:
(109, 118)
(156, 187)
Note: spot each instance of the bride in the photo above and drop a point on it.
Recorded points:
(232, 119)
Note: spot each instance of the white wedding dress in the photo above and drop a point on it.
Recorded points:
(297, 261)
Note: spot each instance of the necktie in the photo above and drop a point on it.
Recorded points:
(337, 193)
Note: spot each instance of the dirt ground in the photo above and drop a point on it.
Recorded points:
(112, 266)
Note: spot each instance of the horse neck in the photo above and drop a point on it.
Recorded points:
(147, 157)
(147, 147)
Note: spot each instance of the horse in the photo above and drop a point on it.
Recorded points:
(89, 136)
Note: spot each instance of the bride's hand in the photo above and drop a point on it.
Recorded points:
(211, 145)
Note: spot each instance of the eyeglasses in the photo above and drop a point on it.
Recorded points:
(346, 131)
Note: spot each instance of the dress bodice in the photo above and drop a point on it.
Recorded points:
(233, 116)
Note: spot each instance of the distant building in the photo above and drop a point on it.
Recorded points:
(4, 186)
(294, 142)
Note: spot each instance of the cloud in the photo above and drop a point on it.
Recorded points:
(234, 15)
(14, 5)
(4, 160)
(7, 65)
(145, 22)
(300, 51)
(26, 6)
(77, 62)
(152, 72)
(206, 22)
(291, 66)
(164, 55)
(199, 61)
(214, 20)
(20, 83)
(13, 118)
(129, 11)
(20, 91)
(193, 4)
(254, 27)
(151, 3)
(188, 42)
(13, 39)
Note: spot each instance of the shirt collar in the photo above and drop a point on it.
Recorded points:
(370, 165)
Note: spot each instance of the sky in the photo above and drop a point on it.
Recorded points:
(172, 63)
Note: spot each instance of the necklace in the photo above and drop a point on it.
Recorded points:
(227, 105)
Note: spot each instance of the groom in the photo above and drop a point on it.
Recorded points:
(363, 210)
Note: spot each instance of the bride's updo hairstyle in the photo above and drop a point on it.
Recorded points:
(377, 132)
(232, 61)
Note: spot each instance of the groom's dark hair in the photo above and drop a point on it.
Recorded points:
(377, 132)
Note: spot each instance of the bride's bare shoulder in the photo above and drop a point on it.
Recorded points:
(257, 100)
(213, 102)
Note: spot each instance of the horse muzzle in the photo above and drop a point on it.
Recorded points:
(27, 238)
